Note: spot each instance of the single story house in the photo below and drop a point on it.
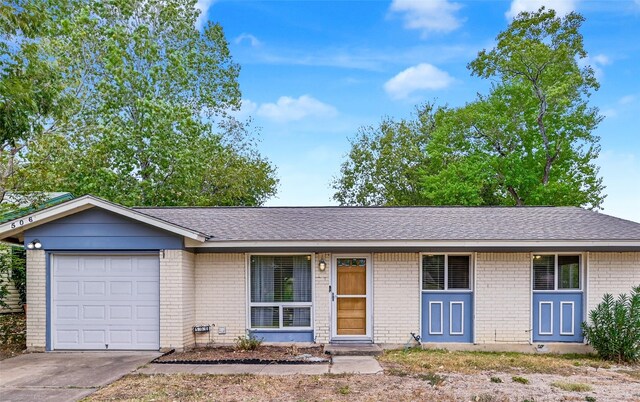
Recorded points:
(103, 276)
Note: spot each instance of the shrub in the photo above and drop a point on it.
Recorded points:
(521, 380)
(248, 342)
(572, 386)
(614, 331)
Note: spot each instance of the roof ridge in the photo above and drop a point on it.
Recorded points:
(358, 207)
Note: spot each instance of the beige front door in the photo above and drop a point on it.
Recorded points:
(351, 296)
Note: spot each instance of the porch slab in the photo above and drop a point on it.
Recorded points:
(355, 365)
(354, 349)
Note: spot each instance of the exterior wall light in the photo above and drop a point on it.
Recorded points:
(34, 245)
(322, 265)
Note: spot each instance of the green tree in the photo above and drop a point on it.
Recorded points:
(529, 141)
(384, 164)
(33, 101)
(531, 138)
(150, 124)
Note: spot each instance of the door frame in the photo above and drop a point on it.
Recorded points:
(334, 300)
(584, 284)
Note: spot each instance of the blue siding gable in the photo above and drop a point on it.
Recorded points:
(98, 229)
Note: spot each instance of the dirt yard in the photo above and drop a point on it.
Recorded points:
(262, 354)
(409, 376)
(13, 329)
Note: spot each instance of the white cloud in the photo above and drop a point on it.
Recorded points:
(287, 109)
(253, 41)
(562, 7)
(428, 16)
(625, 100)
(596, 62)
(424, 76)
(203, 6)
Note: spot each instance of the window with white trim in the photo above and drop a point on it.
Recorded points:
(281, 291)
(446, 272)
(556, 272)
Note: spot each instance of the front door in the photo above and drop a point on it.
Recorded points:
(351, 305)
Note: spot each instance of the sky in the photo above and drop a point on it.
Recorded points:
(314, 72)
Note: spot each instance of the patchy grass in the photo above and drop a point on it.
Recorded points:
(13, 328)
(418, 360)
(520, 380)
(572, 386)
(191, 387)
(496, 380)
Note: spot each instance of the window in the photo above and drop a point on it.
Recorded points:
(280, 291)
(546, 268)
(452, 270)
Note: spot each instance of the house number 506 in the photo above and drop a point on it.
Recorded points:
(21, 222)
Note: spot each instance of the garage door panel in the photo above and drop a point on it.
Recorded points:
(93, 266)
(108, 302)
(94, 288)
(67, 312)
(118, 288)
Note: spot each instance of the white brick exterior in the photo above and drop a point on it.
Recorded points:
(211, 288)
(503, 297)
(396, 297)
(176, 299)
(36, 300)
(613, 273)
(221, 295)
(322, 299)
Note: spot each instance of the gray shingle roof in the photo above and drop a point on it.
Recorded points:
(399, 223)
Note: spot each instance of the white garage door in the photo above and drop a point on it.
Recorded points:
(106, 302)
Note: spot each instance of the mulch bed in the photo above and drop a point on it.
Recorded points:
(263, 355)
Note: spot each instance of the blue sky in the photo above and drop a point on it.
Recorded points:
(313, 72)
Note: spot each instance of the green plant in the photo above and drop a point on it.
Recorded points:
(614, 331)
(590, 399)
(12, 269)
(19, 273)
(344, 390)
(432, 378)
(497, 380)
(572, 386)
(521, 380)
(248, 342)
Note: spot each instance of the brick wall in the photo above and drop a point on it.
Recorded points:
(503, 297)
(176, 304)
(396, 296)
(188, 297)
(322, 299)
(36, 300)
(221, 296)
(613, 273)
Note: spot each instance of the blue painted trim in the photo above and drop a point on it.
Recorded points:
(446, 298)
(97, 229)
(284, 336)
(553, 315)
(48, 340)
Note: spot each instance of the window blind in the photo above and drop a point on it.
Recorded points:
(278, 279)
(543, 272)
(433, 272)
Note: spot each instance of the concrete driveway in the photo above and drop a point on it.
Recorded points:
(65, 376)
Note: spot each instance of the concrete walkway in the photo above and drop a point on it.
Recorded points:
(64, 376)
(339, 365)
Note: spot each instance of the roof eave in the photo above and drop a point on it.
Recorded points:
(12, 228)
